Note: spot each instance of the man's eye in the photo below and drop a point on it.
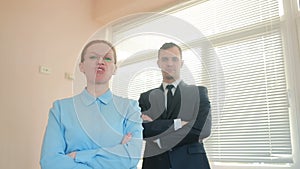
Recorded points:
(93, 57)
(164, 59)
(175, 59)
(107, 59)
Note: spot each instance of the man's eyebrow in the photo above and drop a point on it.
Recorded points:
(170, 56)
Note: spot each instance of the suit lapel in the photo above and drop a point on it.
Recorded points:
(190, 102)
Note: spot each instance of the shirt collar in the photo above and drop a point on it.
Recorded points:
(106, 97)
(88, 99)
(175, 84)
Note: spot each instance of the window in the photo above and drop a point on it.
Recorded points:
(243, 68)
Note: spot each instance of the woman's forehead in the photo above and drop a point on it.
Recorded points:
(100, 49)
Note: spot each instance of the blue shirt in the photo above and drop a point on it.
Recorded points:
(94, 128)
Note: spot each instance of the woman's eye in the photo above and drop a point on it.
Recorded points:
(93, 57)
(107, 59)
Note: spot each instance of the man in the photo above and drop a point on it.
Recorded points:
(176, 117)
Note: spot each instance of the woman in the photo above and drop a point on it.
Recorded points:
(94, 129)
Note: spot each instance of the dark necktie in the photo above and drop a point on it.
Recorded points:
(169, 96)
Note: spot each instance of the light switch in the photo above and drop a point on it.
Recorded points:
(45, 70)
(69, 76)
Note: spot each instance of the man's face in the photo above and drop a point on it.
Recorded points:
(170, 63)
(98, 65)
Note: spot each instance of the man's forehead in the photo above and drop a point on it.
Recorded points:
(170, 50)
(169, 54)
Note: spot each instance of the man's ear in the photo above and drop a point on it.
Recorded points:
(158, 64)
(182, 62)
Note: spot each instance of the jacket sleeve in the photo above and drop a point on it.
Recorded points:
(203, 113)
(191, 132)
(153, 129)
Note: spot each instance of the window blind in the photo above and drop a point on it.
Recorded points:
(248, 96)
(254, 123)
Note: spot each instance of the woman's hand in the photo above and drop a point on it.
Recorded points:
(146, 118)
(126, 138)
(72, 154)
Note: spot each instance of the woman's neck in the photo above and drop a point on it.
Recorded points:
(97, 89)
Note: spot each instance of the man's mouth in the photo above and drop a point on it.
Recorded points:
(169, 71)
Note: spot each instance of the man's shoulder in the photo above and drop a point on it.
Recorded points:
(182, 84)
(149, 91)
(202, 87)
(191, 88)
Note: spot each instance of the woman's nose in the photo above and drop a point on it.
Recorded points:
(100, 60)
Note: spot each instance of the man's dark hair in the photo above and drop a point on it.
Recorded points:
(168, 46)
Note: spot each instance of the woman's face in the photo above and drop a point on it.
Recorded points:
(99, 64)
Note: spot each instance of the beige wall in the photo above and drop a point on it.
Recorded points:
(106, 12)
(49, 33)
(33, 33)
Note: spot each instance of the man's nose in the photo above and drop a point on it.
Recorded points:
(170, 62)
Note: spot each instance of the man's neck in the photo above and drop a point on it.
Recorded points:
(169, 81)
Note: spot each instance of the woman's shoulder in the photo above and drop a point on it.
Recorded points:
(64, 100)
(121, 99)
(125, 103)
(63, 103)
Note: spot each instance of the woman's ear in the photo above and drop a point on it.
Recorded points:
(116, 67)
(81, 68)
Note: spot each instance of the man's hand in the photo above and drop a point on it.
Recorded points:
(146, 118)
(126, 138)
(183, 123)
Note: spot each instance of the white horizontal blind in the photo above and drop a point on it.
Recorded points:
(254, 123)
(249, 101)
(219, 16)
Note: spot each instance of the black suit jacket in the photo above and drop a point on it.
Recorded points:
(178, 147)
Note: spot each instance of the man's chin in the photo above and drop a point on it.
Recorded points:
(169, 77)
